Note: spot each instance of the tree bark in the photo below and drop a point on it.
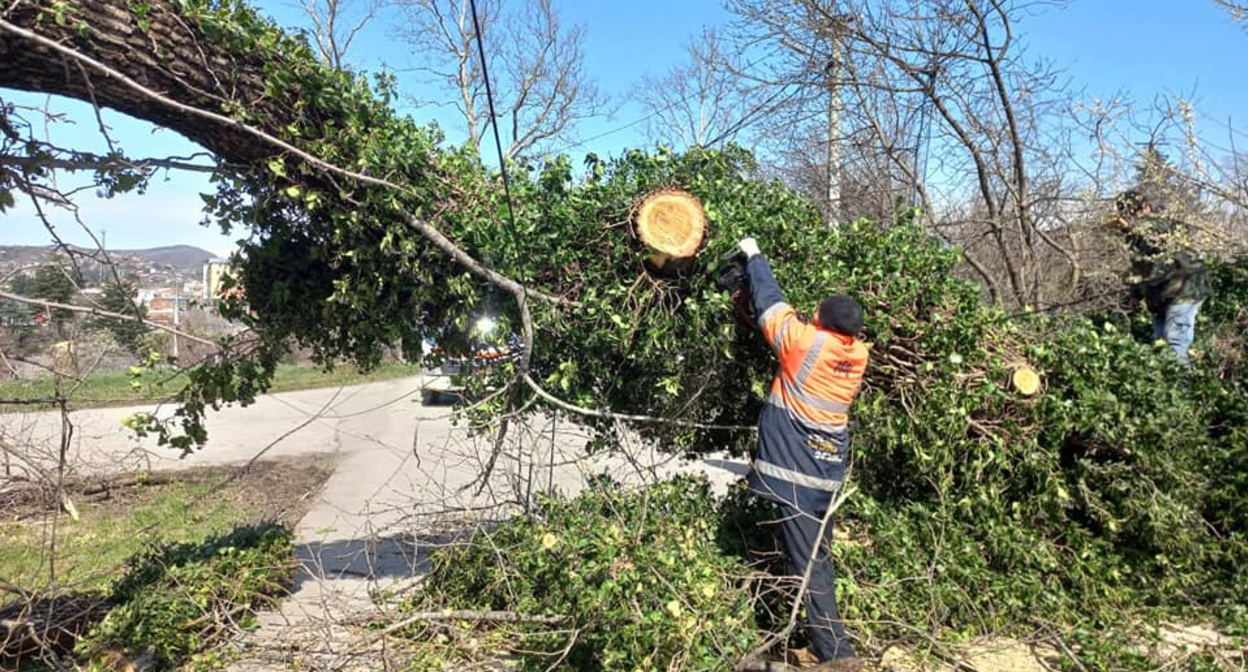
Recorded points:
(168, 54)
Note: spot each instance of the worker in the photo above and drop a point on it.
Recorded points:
(803, 438)
(1170, 280)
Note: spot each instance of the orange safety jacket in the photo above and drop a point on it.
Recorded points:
(803, 430)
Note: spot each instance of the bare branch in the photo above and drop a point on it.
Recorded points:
(96, 312)
(544, 92)
(334, 29)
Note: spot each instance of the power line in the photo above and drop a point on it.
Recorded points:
(1224, 124)
(613, 131)
(748, 117)
(648, 117)
(489, 97)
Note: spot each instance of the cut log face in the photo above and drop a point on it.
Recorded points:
(672, 224)
(1026, 380)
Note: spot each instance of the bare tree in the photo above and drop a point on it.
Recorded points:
(1238, 10)
(794, 55)
(540, 85)
(939, 104)
(335, 25)
(895, 82)
(700, 102)
(1197, 179)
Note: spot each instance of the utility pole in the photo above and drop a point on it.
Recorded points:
(833, 158)
(836, 107)
(177, 299)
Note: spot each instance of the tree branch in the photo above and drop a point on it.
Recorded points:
(96, 312)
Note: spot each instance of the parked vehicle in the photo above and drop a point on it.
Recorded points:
(445, 382)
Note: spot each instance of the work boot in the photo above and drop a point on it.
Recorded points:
(838, 665)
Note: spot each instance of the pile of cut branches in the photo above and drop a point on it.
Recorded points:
(171, 606)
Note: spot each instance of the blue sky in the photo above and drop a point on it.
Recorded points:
(1141, 48)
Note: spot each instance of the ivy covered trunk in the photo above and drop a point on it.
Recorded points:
(157, 46)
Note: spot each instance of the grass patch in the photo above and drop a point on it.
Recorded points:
(172, 607)
(162, 572)
(115, 388)
(90, 551)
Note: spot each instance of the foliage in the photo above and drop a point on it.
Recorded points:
(327, 251)
(1222, 325)
(638, 575)
(1112, 498)
(119, 297)
(1222, 336)
(1111, 492)
(16, 318)
(176, 599)
(1161, 182)
(56, 282)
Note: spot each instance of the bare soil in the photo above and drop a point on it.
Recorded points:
(281, 489)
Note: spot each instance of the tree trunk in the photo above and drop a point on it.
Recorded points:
(168, 54)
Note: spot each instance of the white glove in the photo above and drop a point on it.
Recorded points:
(749, 246)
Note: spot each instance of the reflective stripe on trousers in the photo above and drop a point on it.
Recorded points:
(796, 477)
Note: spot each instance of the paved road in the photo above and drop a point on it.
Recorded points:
(402, 470)
(385, 440)
(296, 423)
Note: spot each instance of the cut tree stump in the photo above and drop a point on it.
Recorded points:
(672, 224)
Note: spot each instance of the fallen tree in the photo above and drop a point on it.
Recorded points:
(1117, 486)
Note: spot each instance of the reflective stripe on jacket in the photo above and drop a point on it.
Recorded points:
(803, 433)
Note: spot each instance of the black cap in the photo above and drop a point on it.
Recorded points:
(841, 313)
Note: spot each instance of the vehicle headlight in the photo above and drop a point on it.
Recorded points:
(485, 325)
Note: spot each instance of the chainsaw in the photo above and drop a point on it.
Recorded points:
(731, 276)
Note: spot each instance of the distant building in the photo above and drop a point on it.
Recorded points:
(165, 306)
(215, 271)
(195, 288)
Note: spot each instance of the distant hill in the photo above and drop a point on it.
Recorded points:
(184, 259)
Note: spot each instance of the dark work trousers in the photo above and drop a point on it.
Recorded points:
(801, 541)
